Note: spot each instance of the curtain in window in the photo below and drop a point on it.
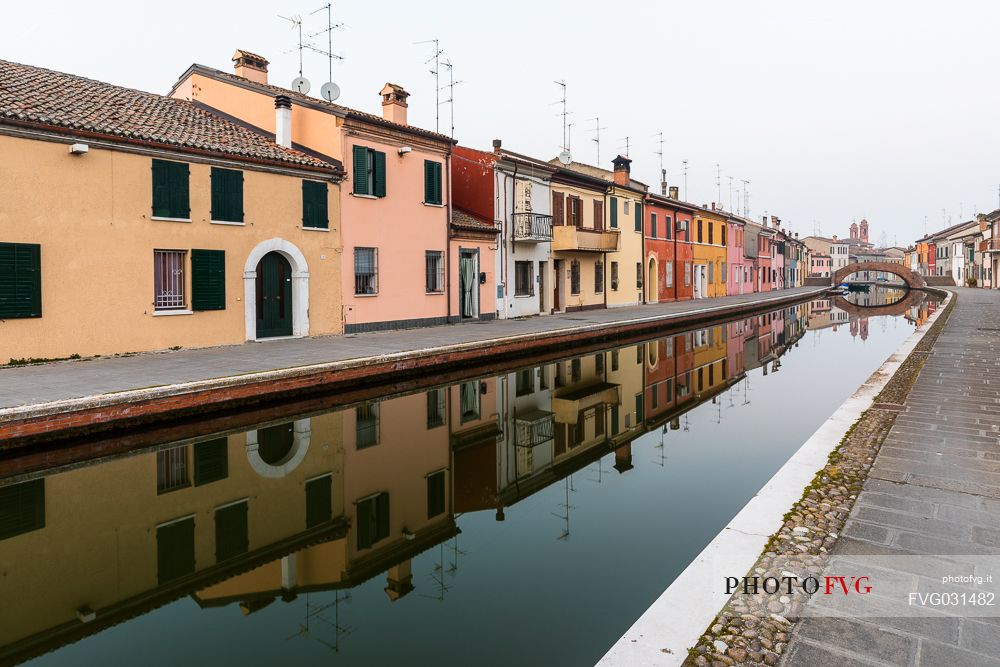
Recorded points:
(468, 269)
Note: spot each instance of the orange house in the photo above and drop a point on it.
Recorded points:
(394, 206)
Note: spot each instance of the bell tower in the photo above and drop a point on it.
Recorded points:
(854, 230)
(864, 231)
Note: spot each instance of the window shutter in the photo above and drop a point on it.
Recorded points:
(315, 205)
(161, 189)
(379, 173)
(598, 214)
(227, 195)
(432, 182)
(22, 508)
(381, 516)
(170, 189)
(438, 184)
(211, 461)
(435, 494)
(179, 188)
(175, 550)
(319, 501)
(558, 217)
(614, 212)
(208, 279)
(365, 523)
(638, 217)
(20, 280)
(231, 531)
(361, 171)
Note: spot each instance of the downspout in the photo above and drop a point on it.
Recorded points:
(447, 231)
(510, 217)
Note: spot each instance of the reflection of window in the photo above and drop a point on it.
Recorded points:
(576, 368)
(614, 420)
(174, 550)
(22, 508)
(274, 443)
(366, 425)
(639, 408)
(525, 382)
(435, 408)
(435, 494)
(599, 363)
(171, 469)
(319, 500)
(231, 531)
(469, 400)
(654, 396)
(211, 461)
(541, 378)
(614, 360)
(373, 520)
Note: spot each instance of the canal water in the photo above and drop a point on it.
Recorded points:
(522, 518)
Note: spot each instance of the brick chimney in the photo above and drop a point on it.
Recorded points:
(250, 66)
(623, 170)
(675, 192)
(496, 145)
(394, 103)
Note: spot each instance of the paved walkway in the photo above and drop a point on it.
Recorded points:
(30, 385)
(934, 490)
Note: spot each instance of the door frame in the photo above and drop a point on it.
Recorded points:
(557, 271)
(300, 287)
(474, 254)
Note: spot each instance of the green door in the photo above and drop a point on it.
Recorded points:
(274, 296)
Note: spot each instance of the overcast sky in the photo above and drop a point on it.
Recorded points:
(833, 111)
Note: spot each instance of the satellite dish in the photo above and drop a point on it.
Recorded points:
(300, 84)
(330, 91)
(565, 157)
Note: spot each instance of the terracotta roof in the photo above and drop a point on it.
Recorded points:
(597, 172)
(71, 104)
(337, 109)
(463, 220)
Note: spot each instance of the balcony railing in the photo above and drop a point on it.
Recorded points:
(534, 428)
(566, 237)
(994, 245)
(532, 227)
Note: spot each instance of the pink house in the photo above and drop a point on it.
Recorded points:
(739, 274)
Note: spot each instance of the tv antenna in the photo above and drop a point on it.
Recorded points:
(437, 79)
(329, 90)
(569, 137)
(627, 146)
(659, 152)
(451, 93)
(730, 193)
(565, 156)
(597, 136)
(685, 163)
(746, 197)
(718, 183)
(300, 83)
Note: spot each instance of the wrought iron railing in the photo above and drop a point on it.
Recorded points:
(532, 227)
(536, 431)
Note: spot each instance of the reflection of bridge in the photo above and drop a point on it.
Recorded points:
(912, 280)
(912, 298)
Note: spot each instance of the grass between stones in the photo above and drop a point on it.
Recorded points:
(753, 629)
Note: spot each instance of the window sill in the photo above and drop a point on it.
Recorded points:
(436, 293)
(366, 296)
(167, 313)
(228, 223)
(524, 296)
(314, 229)
(156, 217)
(359, 196)
(432, 205)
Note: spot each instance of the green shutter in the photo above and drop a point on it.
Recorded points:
(175, 550)
(211, 461)
(20, 280)
(379, 173)
(227, 195)
(171, 197)
(319, 501)
(432, 182)
(208, 279)
(232, 535)
(614, 212)
(638, 217)
(361, 171)
(436, 492)
(315, 209)
(22, 508)
(438, 183)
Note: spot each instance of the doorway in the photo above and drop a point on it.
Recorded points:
(652, 282)
(468, 283)
(274, 296)
(542, 268)
(556, 285)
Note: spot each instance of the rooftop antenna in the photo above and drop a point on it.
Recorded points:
(565, 156)
(718, 183)
(730, 192)
(685, 162)
(299, 83)
(330, 91)
(437, 79)
(597, 136)
(627, 146)
(451, 93)
(569, 137)
(659, 153)
(746, 198)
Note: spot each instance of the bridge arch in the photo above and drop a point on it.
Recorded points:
(912, 280)
(912, 298)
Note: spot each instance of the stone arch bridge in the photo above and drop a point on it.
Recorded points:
(912, 280)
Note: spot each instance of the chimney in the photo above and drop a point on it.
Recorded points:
(663, 182)
(496, 145)
(394, 103)
(283, 121)
(834, 237)
(713, 206)
(623, 169)
(675, 192)
(250, 66)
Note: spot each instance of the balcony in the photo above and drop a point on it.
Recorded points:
(994, 245)
(532, 227)
(570, 402)
(566, 237)
(534, 428)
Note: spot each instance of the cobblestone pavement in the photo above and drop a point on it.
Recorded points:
(28, 385)
(934, 490)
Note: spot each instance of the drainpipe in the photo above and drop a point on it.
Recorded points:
(447, 234)
(510, 217)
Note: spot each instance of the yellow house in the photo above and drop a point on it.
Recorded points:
(709, 246)
(132, 221)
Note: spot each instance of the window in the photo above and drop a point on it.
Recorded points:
(639, 416)
(625, 207)
(667, 227)
(20, 280)
(524, 279)
(700, 230)
(171, 469)
(22, 508)
(652, 225)
(711, 273)
(724, 272)
(227, 195)
(722, 229)
(231, 531)
(366, 271)
(711, 234)
(168, 279)
(435, 270)
(174, 550)
(468, 395)
(373, 520)
(432, 182)
(687, 274)
(614, 212)
(525, 382)
(315, 210)
(575, 370)
(369, 172)
(208, 280)
(558, 208)
(170, 190)
(614, 276)
(435, 494)
(575, 211)
(319, 500)
(599, 276)
(435, 408)
(638, 217)
(211, 461)
(668, 273)
(366, 425)
(654, 396)
(574, 277)
(598, 214)
(599, 363)
(614, 420)
(638, 275)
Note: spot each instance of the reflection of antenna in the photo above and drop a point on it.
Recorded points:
(597, 137)
(437, 79)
